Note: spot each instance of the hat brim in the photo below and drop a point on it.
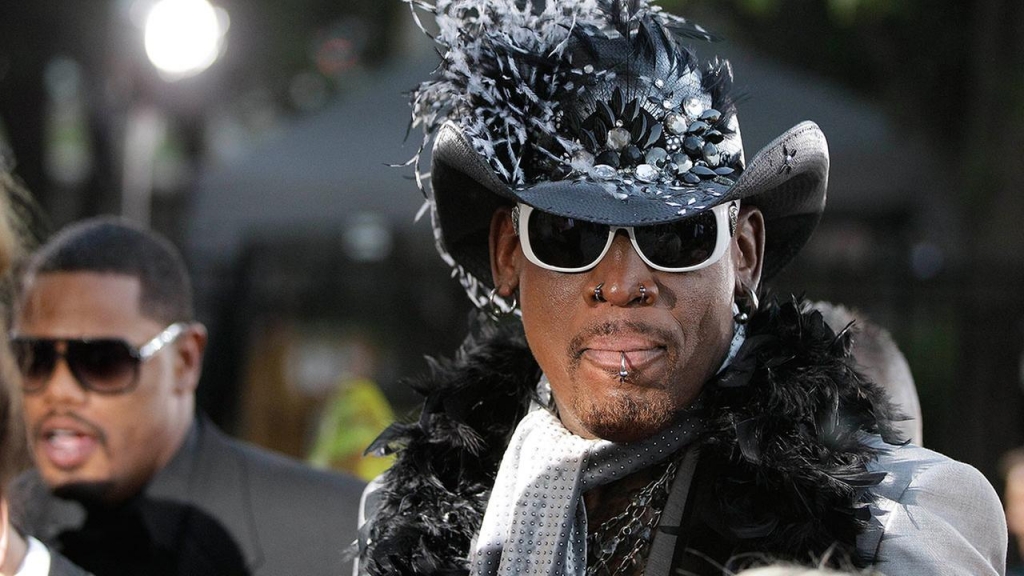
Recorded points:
(787, 180)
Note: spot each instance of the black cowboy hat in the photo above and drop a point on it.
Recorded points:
(595, 112)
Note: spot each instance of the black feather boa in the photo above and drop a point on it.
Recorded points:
(784, 433)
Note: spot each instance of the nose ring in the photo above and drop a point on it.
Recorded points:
(643, 293)
(598, 295)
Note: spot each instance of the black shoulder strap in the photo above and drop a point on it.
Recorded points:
(701, 550)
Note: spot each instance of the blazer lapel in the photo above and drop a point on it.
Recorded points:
(201, 501)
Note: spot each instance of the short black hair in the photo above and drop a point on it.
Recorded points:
(107, 245)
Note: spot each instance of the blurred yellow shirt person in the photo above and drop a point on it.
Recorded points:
(352, 419)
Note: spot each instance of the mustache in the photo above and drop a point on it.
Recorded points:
(37, 429)
(610, 328)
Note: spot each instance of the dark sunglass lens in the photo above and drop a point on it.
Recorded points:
(104, 365)
(36, 359)
(565, 242)
(679, 244)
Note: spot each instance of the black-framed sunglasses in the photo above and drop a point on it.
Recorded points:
(102, 365)
(569, 245)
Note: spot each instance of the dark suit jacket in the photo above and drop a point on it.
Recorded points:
(220, 507)
(60, 566)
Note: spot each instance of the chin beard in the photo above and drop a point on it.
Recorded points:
(86, 492)
(625, 420)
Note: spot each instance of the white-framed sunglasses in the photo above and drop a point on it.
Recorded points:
(569, 245)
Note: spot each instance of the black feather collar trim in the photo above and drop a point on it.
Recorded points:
(784, 431)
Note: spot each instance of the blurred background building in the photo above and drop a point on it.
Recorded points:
(264, 156)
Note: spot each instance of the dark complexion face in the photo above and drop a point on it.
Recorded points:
(105, 446)
(673, 339)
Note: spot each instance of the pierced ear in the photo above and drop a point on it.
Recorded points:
(189, 365)
(749, 247)
(504, 250)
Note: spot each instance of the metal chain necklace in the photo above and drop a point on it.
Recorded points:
(619, 545)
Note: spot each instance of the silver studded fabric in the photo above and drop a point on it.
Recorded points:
(535, 521)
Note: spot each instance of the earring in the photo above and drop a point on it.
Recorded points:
(496, 305)
(746, 305)
(598, 295)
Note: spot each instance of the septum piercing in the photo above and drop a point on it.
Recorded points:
(622, 369)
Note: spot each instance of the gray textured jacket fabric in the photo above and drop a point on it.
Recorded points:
(937, 516)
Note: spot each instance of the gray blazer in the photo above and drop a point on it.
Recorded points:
(936, 516)
(220, 507)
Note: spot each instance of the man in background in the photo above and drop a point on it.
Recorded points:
(879, 358)
(129, 479)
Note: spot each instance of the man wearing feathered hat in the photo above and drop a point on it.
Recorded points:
(631, 409)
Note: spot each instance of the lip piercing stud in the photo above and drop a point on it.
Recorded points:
(622, 369)
(643, 293)
(598, 295)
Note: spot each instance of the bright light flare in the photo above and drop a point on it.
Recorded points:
(184, 37)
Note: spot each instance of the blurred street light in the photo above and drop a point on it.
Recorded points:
(184, 37)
